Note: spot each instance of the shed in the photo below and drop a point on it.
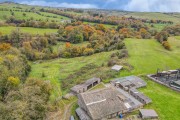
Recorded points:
(139, 96)
(86, 85)
(117, 67)
(148, 113)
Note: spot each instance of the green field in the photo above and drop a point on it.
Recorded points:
(164, 100)
(58, 69)
(148, 55)
(8, 29)
(29, 15)
(157, 27)
(154, 16)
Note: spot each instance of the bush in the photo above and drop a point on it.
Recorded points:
(162, 36)
(88, 51)
(166, 45)
(111, 62)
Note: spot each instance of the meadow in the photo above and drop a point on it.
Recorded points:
(164, 100)
(29, 15)
(7, 30)
(154, 16)
(148, 55)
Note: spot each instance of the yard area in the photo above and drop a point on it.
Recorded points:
(8, 29)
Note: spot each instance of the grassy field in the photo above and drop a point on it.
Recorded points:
(29, 15)
(8, 29)
(154, 16)
(148, 55)
(165, 101)
(58, 69)
(157, 27)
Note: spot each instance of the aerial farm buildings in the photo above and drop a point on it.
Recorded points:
(104, 103)
(120, 98)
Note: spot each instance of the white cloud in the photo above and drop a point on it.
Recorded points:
(153, 5)
(56, 4)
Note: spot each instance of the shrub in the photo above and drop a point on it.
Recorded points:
(88, 51)
(166, 45)
(162, 36)
(111, 62)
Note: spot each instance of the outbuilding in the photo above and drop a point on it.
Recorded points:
(85, 86)
(117, 68)
(148, 114)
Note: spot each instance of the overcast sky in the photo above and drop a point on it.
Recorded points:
(130, 5)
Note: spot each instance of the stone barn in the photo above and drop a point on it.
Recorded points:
(139, 96)
(85, 86)
(130, 84)
(103, 103)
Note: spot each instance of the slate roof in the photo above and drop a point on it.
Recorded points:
(124, 81)
(148, 113)
(85, 84)
(103, 102)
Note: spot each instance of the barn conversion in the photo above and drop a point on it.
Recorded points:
(86, 85)
(130, 84)
(103, 103)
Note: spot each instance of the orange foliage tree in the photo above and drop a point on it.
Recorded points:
(5, 46)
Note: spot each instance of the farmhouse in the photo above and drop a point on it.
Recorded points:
(85, 86)
(103, 103)
(148, 114)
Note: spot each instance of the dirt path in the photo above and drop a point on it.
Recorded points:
(67, 111)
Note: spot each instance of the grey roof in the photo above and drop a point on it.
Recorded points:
(82, 114)
(138, 82)
(72, 118)
(103, 102)
(141, 95)
(117, 67)
(85, 84)
(146, 113)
